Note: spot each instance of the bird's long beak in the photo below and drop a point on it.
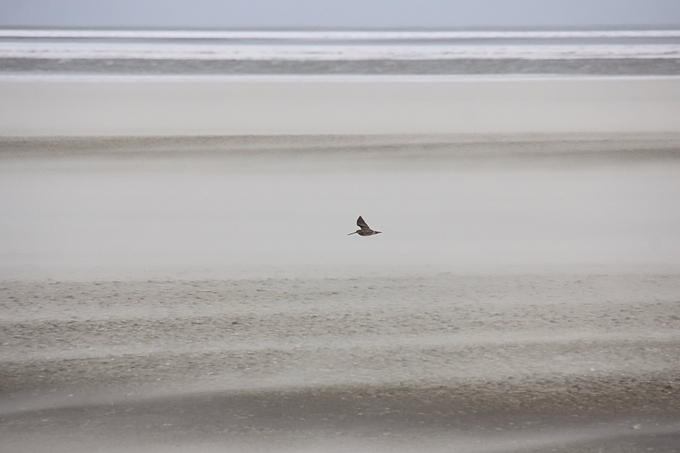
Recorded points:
(378, 232)
(352, 233)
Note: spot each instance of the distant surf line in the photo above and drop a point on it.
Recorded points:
(367, 35)
(166, 51)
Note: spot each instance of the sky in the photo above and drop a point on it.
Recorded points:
(338, 14)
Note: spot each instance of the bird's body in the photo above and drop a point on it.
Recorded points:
(364, 229)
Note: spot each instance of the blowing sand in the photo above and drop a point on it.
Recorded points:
(201, 294)
(473, 363)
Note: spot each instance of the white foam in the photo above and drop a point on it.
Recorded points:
(347, 52)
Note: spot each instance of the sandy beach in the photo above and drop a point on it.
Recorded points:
(62, 105)
(473, 363)
(165, 290)
(127, 328)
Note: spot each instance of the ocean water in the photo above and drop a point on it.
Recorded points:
(593, 52)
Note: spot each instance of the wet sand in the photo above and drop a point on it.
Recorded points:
(593, 67)
(201, 294)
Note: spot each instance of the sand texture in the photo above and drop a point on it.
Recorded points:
(531, 361)
(179, 294)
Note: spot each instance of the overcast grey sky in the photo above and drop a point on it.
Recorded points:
(338, 13)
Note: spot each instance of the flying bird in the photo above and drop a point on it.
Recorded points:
(364, 229)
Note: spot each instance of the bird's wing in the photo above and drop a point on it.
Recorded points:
(361, 223)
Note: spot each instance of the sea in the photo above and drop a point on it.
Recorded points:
(633, 52)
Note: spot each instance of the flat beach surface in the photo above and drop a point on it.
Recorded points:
(200, 293)
(471, 363)
(86, 105)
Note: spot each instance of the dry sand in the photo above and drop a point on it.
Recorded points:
(471, 363)
(176, 106)
(540, 312)
(259, 207)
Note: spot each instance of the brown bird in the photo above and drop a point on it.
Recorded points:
(364, 229)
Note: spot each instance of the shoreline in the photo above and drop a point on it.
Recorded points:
(273, 78)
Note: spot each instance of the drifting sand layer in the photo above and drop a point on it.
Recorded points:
(251, 333)
(144, 304)
(224, 208)
(294, 360)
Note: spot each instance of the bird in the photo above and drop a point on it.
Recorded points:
(364, 229)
